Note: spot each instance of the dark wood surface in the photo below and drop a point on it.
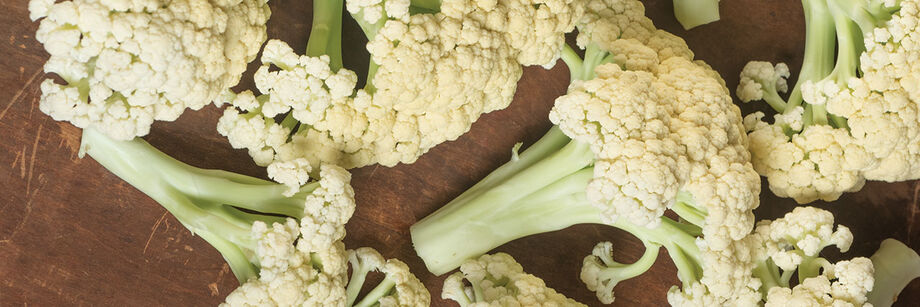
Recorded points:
(73, 234)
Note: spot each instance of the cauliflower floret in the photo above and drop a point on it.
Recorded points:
(289, 276)
(534, 29)
(327, 209)
(873, 109)
(853, 282)
(128, 63)
(735, 276)
(409, 291)
(760, 80)
(462, 70)
(819, 163)
(292, 276)
(502, 282)
(654, 135)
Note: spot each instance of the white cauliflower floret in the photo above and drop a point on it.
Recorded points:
(463, 61)
(601, 273)
(289, 276)
(292, 276)
(852, 281)
(654, 135)
(790, 244)
(408, 289)
(698, 295)
(760, 79)
(534, 29)
(502, 282)
(802, 233)
(819, 163)
(390, 121)
(327, 209)
(128, 63)
(873, 110)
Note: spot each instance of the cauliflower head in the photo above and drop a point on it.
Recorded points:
(125, 64)
(655, 135)
(841, 127)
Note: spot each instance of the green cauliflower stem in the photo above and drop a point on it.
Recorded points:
(221, 206)
(694, 13)
(896, 265)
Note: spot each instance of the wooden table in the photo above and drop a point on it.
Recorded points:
(73, 234)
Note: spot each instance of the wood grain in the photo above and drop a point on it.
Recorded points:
(73, 234)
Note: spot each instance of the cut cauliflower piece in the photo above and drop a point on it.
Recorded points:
(233, 212)
(635, 143)
(294, 277)
(655, 135)
(859, 107)
(498, 280)
(464, 61)
(126, 64)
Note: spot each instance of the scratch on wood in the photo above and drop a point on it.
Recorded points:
(213, 287)
(70, 138)
(20, 92)
(220, 276)
(153, 231)
(22, 163)
(373, 171)
(32, 160)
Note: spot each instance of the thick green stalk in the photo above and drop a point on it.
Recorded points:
(444, 241)
(204, 201)
(538, 173)
(895, 265)
(551, 142)
(818, 60)
(326, 32)
(693, 13)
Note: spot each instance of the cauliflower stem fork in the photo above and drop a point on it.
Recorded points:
(207, 202)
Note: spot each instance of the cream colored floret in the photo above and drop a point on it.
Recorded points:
(128, 63)
(503, 282)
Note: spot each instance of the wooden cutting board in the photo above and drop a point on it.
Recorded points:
(73, 234)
